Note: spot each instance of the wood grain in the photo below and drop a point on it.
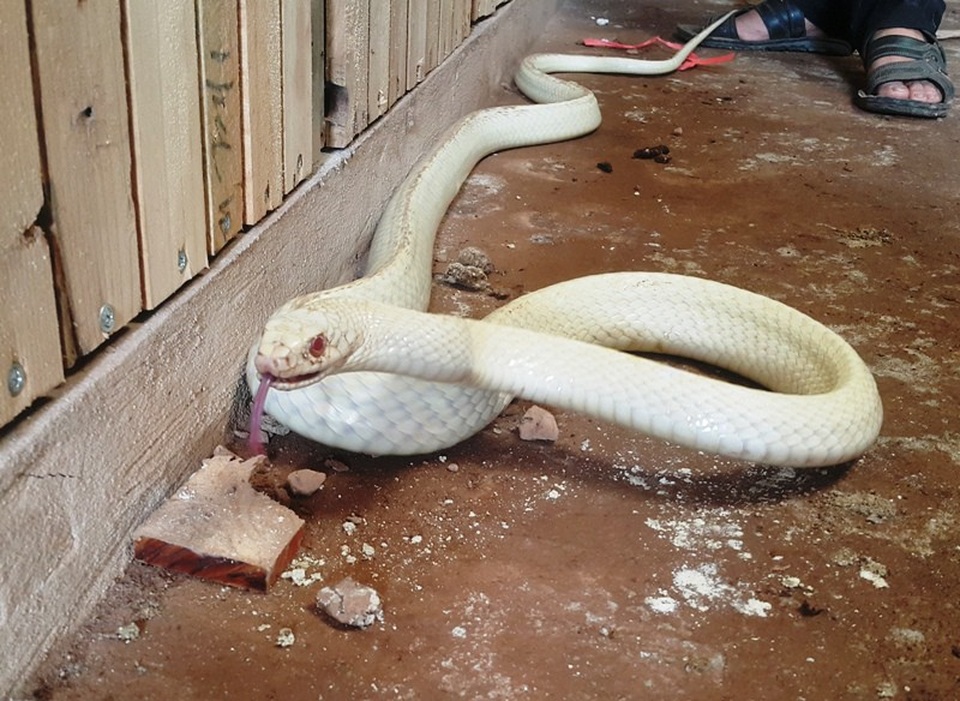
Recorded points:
(318, 23)
(164, 94)
(416, 41)
(261, 88)
(86, 132)
(347, 65)
(398, 50)
(378, 68)
(20, 179)
(222, 119)
(29, 337)
(432, 50)
(297, 35)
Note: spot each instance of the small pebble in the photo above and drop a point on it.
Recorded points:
(285, 638)
(661, 158)
(469, 277)
(129, 632)
(476, 257)
(336, 465)
(453, 467)
(351, 604)
(605, 166)
(538, 424)
(651, 152)
(304, 483)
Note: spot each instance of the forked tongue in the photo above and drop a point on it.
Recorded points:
(256, 415)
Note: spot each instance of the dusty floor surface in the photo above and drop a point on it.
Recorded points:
(607, 565)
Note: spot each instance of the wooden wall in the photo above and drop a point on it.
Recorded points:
(139, 138)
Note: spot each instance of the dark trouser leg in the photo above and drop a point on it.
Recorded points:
(870, 15)
(832, 16)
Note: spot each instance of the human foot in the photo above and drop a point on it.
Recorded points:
(906, 75)
(750, 27)
(772, 25)
(917, 90)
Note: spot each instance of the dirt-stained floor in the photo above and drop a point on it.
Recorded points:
(611, 566)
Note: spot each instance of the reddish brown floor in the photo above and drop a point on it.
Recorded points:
(611, 566)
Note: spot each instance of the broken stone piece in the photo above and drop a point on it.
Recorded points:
(304, 483)
(476, 258)
(468, 277)
(217, 527)
(351, 604)
(538, 424)
(336, 465)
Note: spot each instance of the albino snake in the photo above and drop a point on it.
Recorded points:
(363, 368)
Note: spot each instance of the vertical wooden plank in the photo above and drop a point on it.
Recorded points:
(348, 24)
(30, 362)
(261, 88)
(318, 21)
(484, 8)
(378, 71)
(297, 92)
(432, 51)
(416, 41)
(218, 34)
(20, 179)
(464, 18)
(480, 9)
(163, 75)
(398, 50)
(79, 58)
(447, 12)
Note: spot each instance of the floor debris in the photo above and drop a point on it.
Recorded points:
(305, 483)
(538, 424)
(217, 527)
(351, 604)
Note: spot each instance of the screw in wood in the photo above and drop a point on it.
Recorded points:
(16, 379)
(107, 318)
(181, 260)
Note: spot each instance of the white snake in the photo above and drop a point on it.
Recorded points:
(363, 368)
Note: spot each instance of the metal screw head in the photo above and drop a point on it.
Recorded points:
(181, 260)
(16, 379)
(107, 318)
(225, 223)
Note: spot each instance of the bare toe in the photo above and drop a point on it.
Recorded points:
(895, 90)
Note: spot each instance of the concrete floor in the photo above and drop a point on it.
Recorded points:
(609, 565)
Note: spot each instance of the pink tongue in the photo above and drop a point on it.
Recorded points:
(256, 415)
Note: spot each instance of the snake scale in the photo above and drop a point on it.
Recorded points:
(364, 367)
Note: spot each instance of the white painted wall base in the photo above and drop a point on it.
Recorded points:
(79, 474)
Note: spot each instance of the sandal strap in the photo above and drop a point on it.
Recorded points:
(905, 47)
(783, 19)
(906, 71)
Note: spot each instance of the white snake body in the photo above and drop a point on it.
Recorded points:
(389, 378)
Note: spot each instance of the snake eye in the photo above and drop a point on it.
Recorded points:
(317, 346)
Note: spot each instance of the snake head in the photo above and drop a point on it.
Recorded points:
(300, 347)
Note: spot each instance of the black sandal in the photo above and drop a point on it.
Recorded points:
(784, 22)
(928, 63)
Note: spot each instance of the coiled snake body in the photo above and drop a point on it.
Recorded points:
(362, 367)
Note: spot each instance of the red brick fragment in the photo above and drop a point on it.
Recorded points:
(217, 527)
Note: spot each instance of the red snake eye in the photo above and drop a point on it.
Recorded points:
(317, 346)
